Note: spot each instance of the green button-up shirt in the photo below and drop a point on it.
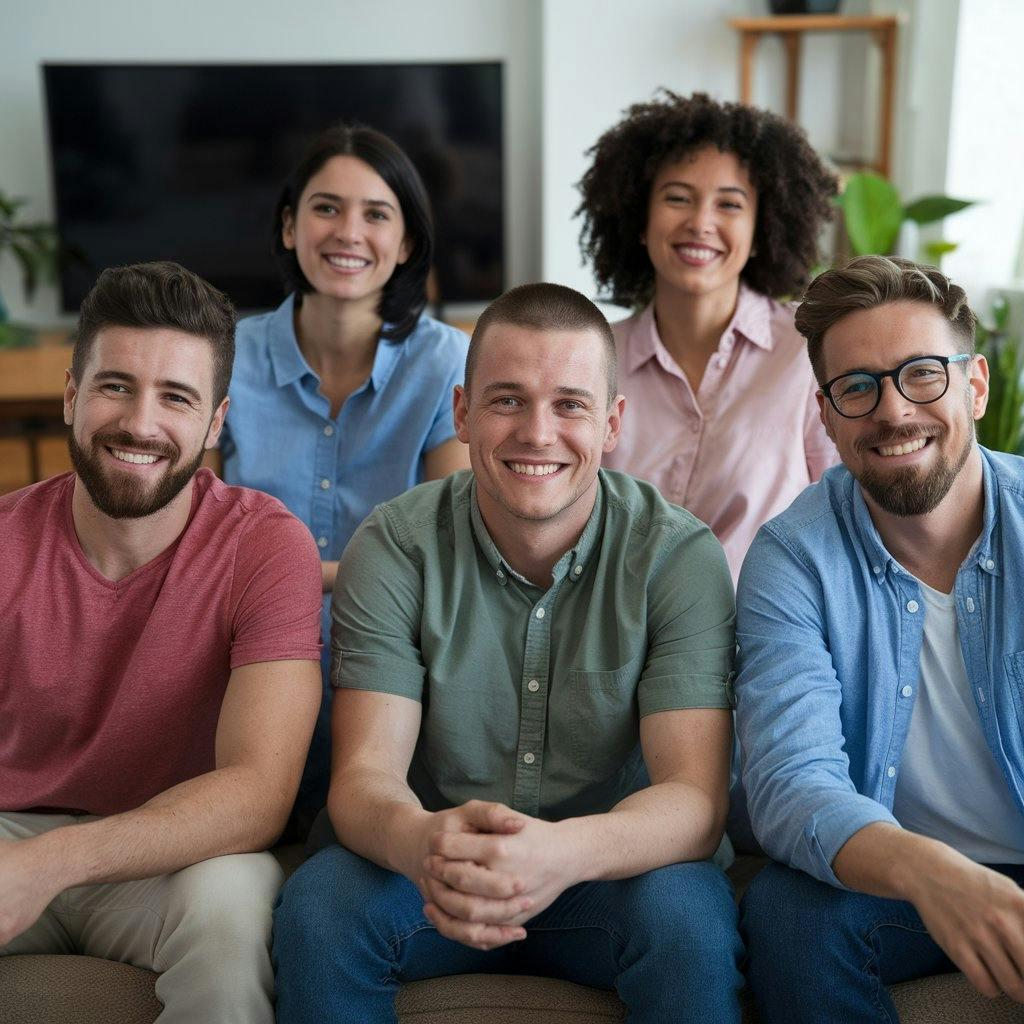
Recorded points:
(533, 697)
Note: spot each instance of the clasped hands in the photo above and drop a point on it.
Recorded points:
(488, 869)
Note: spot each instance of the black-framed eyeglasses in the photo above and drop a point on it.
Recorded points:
(920, 380)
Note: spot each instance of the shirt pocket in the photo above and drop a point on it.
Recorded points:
(604, 728)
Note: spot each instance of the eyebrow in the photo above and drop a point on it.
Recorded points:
(340, 199)
(686, 184)
(174, 385)
(511, 385)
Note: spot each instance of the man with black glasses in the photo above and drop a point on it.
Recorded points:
(881, 670)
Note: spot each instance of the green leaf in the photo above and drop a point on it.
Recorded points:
(1000, 312)
(929, 209)
(934, 251)
(873, 213)
(29, 267)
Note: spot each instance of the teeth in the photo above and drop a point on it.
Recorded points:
(134, 457)
(347, 262)
(531, 470)
(697, 252)
(904, 449)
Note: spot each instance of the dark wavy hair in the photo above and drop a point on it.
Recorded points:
(405, 294)
(794, 190)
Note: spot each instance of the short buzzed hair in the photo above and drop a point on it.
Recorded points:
(870, 281)
(154, 295)
(546, 307)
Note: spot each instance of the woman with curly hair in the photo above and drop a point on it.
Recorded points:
(703, 217)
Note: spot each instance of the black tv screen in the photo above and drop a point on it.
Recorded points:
(186, 162)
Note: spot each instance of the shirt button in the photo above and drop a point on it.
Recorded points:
(891, 772)
(907, 691)
(322, 541)
(325, 484)
(533, 686)
(876, 569)
(328, 431)
(540, 613)
(990, 564)
(578, 570)
(970, 604)
(500, 575)
(912, 606)
(529, 758)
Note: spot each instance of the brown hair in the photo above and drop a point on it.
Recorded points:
(546, 307)
(870, 281)
(160, 294)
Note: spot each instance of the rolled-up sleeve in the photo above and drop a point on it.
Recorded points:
(803, 803)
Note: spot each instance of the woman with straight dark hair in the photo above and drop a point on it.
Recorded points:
(342, 397)
(703, 217)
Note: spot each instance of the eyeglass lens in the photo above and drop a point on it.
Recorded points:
(920, 380)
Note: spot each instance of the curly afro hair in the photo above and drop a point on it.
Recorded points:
(794, 190)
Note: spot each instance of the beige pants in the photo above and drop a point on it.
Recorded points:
(204, 929)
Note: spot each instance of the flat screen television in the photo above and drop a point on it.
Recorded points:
(185, 162)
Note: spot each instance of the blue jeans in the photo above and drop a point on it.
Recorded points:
(821, 954)
(347, 933)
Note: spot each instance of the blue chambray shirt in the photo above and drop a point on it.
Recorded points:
(829, 628)
(279, 437)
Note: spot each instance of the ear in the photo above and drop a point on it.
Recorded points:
(614, 424)
(288, 228)
(216, 424)
(405, 250)
(978, 380)
(825, 414)
(460, 410)
(70, 393)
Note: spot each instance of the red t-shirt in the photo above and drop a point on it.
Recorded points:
(110, 692)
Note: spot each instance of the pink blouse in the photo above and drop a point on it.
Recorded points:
(750, 441)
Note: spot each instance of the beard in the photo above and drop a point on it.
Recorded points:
(120, 495)
(908, 490)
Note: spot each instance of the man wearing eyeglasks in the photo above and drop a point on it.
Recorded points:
(881, 670)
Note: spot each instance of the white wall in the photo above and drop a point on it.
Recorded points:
(986, 149)
(329, 31)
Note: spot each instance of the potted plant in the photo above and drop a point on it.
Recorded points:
(38, 252)
(873, 213)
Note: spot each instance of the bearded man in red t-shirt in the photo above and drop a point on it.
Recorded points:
(159, 667)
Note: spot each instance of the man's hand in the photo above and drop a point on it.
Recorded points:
(26, 887)
(483, 882)
(977, 916)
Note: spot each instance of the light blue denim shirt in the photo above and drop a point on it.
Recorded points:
(331, 472)
(829, 628)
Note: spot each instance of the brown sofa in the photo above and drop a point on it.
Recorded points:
(84, 990)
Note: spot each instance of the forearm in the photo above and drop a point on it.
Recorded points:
(328, 574)
(229, 810)
(379, 817)
(665, 823)
(886, 860)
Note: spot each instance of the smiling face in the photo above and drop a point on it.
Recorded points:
(537, 422)
(905, 456)
(347, 230)
(700, 223)
(141, 418)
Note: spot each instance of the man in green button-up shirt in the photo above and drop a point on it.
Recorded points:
(532, 726)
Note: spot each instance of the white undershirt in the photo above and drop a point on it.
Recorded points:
(950, 787)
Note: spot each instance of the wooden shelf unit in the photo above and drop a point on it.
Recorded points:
(791, 28)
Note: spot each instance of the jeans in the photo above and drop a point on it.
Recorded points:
(821, 954)
(347, 933)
